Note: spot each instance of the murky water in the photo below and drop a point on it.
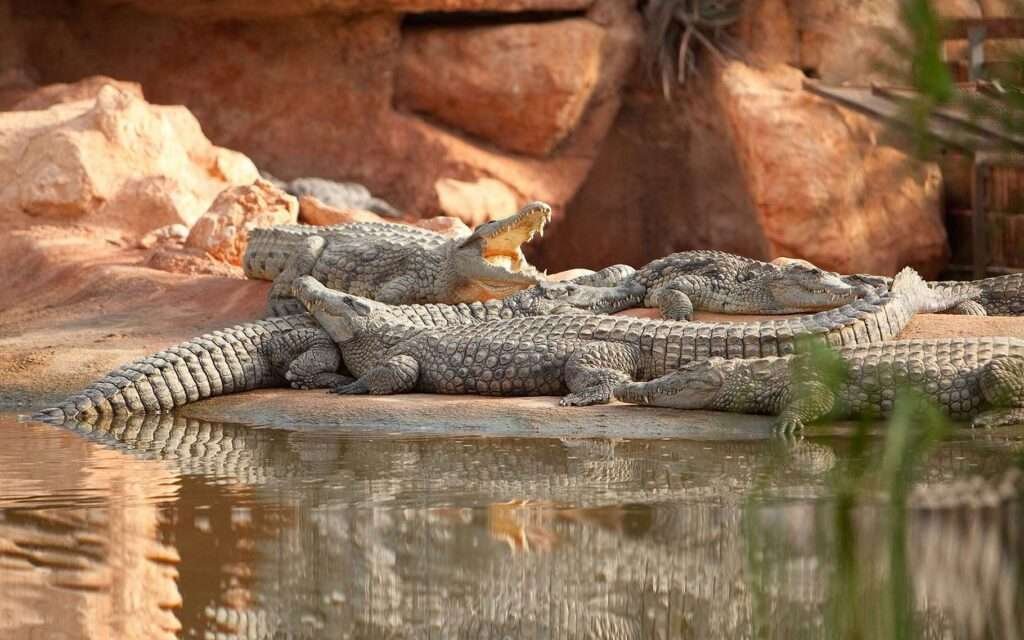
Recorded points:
(168, 527)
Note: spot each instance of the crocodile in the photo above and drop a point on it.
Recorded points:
(979, 378)
(293, 351)
(586, 355)
(724, 282)
(998, 295)
(341, 195)
(398, 264)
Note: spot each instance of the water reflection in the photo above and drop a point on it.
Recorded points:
(144, 527)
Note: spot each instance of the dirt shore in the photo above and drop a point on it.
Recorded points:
(77, 303)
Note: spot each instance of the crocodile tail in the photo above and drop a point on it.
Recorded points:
(925, 299)
(218, 363)
(268, 249)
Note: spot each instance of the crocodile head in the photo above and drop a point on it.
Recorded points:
(342, 315)
(799, 286)
(489, 263)
(695, 385)
(742, 385)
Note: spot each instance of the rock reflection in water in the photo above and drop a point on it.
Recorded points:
(313, 534)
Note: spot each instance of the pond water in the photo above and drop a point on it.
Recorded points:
(170, 527)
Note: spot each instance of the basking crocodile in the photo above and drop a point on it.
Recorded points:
(398, 264)
(583, 354)
(341, 195)
(979, 378)
(294, 351)
(998, 295)
(723, 282)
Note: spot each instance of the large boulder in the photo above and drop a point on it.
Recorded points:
(223, 231)
(523, 87)
(823, 188)
(327, 107)
(112, 160)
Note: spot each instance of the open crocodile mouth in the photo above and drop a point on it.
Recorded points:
(502, 240)
(504, 269)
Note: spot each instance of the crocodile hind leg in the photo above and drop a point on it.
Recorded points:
(397, 375)
(1002, 384)
(282, 302)
(674, 298)
(593, 372)
(307, 357)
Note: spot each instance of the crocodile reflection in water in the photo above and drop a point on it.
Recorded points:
(401, 537)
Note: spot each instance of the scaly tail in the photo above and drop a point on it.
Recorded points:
(265, 353)
(924, 299)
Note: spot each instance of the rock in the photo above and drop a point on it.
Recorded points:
(327, 107)
(223, 230)
(445, 225)
(85, 89)
(113, 161)
(172, 233)
(823, 188)
(15, 85)
(667, 179)
(843, 41)
(191, 262)
(478, 79)
(312, 211)
(475, 202)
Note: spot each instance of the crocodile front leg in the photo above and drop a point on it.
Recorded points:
(397, 375)
(1002, 384)
(593, 372)
(809, 401)
(282, 302)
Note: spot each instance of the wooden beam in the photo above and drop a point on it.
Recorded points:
(995, 28)
(979, 224)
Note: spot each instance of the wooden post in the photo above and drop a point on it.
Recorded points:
(979, 217)
(976, 48)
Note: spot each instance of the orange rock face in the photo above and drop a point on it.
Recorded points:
(111, 160)
(823, 189)
(314, 95)
(523, 87)
(223, 230)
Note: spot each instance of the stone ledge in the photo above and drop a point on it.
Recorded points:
(417, 413)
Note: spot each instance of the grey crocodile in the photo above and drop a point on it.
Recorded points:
(979, 378)
(293, 351)
(583, 354)
(723, 282)
(997, 296)
(341, 195)
(398, 264)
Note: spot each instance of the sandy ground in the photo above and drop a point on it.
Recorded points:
(77, 303)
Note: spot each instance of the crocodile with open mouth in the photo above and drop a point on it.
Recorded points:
(398, 264)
